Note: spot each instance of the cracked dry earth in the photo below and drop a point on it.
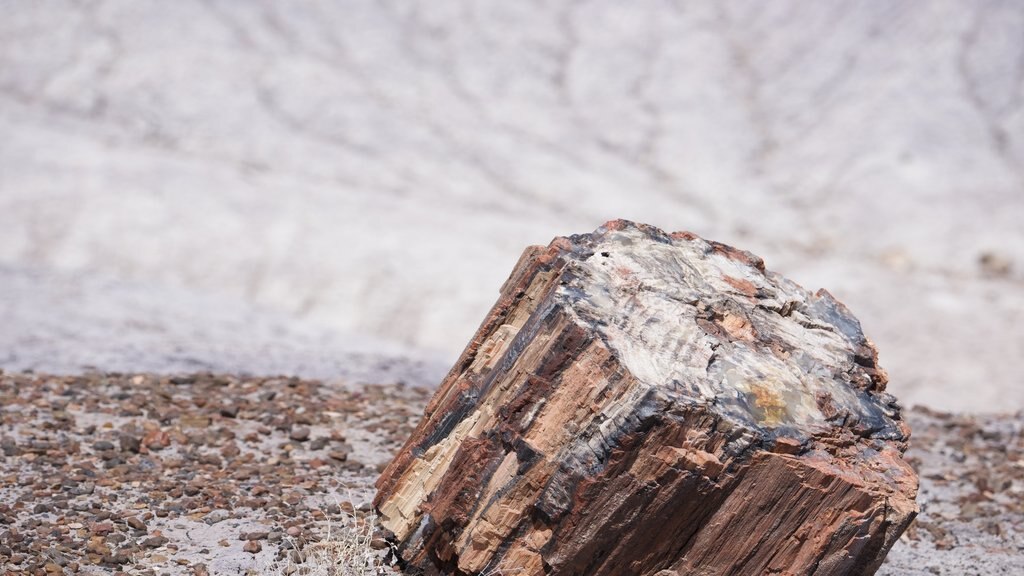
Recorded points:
(220, 474)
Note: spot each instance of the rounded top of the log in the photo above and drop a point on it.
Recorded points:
(703, 323)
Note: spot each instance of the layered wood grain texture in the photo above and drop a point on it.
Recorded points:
(639, 401)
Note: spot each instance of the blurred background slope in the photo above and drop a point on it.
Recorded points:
(266, 186)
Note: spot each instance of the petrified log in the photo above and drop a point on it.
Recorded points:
(638, 401)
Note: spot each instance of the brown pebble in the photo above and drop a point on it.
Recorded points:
(156, 440)
(155, 541)
(129, 443)
(101, 528)
(299, 434)
(252, 546)
(195, 421)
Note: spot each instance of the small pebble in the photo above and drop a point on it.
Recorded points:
(130, 443)
(217, 516)
(155, 541)
(299, 433)
(252, 546)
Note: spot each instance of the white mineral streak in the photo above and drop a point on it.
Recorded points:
(643, 296)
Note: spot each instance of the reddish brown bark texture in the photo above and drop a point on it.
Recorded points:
(638, 401)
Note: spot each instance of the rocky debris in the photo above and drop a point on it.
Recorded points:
(971, 497)
(638, 402)
(971, 469)
(149, 474)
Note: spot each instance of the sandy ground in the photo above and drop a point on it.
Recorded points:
(149, 474)
(375, 168)
(69, 323)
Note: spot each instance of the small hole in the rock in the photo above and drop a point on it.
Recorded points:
(605, 254)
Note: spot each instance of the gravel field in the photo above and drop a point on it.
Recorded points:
(219, 474)
(196, 474)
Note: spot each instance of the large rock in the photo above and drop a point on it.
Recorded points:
(638, 401)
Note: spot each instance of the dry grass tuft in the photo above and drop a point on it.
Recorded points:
(345, 550)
